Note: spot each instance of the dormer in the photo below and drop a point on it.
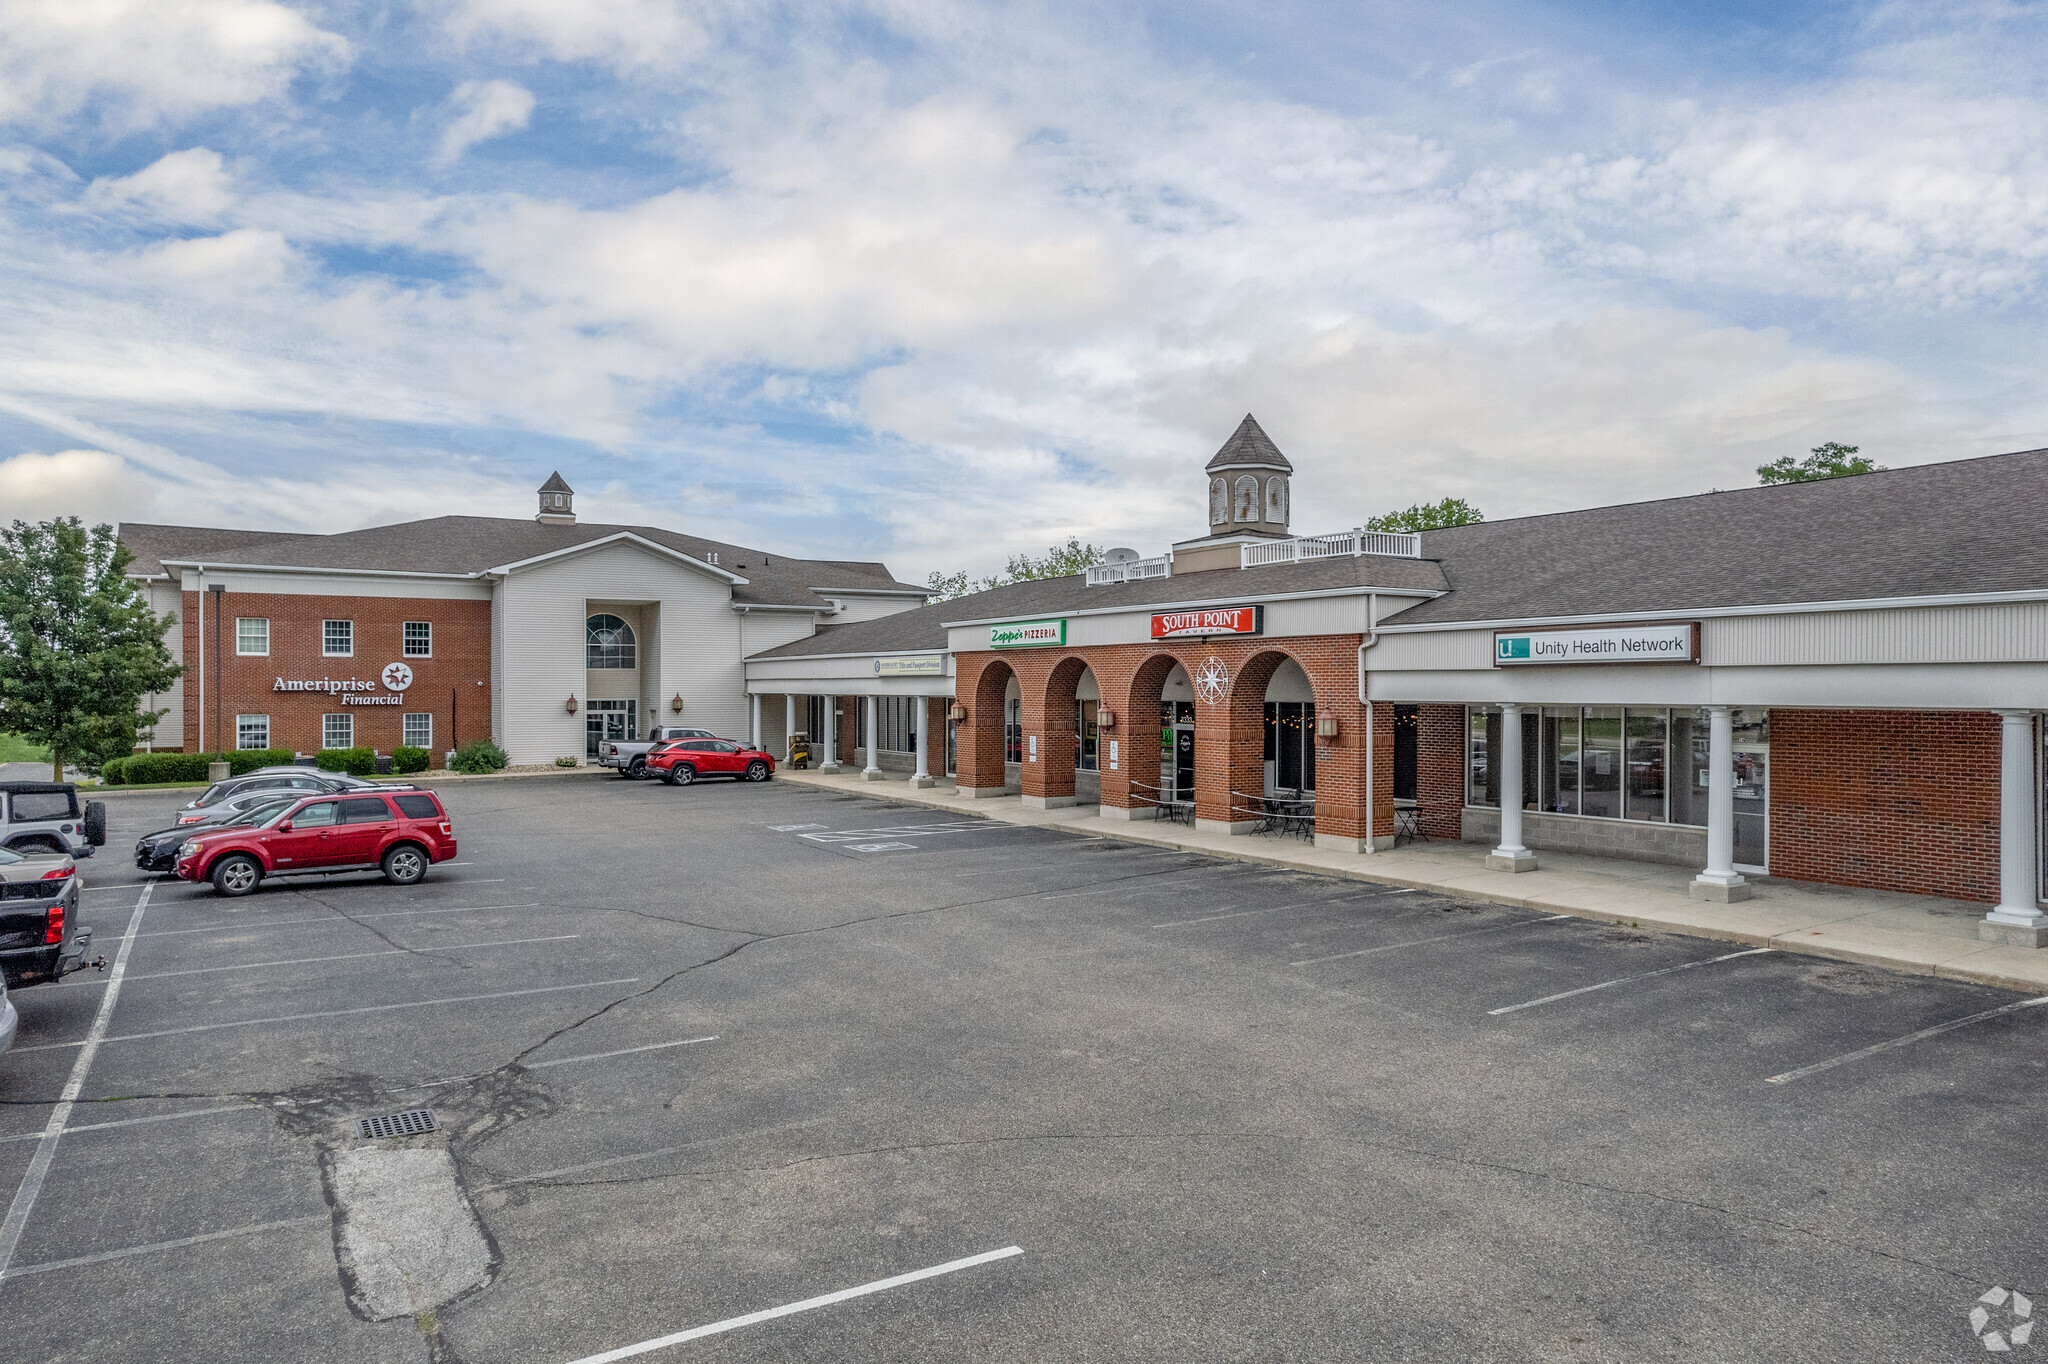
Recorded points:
(557, 503)
(1248, 484)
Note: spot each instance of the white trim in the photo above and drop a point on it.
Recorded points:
(622, 537)
(745, 606)
(1803, 608)
(1236, 598)
(309, 568)
(869, 591)
(942, 651)
(240, 652)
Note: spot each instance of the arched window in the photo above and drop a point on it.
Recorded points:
(1219, 502)
(1276, 500)
(1247, 499)
(608, 643)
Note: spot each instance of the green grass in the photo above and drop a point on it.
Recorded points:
(15, 749)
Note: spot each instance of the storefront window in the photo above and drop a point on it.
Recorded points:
(1690, 736)
(1600, 763)
(1482, 785)
(1646, 765)
(1291, 744)
(1560, 760)
(1013, 730)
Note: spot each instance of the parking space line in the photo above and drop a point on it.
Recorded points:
(328, 919)
(1418, 942)
(337, 1013)
(1275, 909)
(352, 956)
(60, 1113)
(1905, 1041)
(1626, 980)
(623, 1051)
(1127, 882)
(808, 1304)
(136, 1122)
(178, 1244)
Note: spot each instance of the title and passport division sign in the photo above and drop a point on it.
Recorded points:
(1225, 620)
(1669, 643)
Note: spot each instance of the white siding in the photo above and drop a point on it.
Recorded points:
(867, 608)
(165, 599)
(1436, 651)
(2009, 633)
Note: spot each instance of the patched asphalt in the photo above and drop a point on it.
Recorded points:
(702, 1052)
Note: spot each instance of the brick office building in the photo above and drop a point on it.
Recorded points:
(547, 635)
(1837, 681)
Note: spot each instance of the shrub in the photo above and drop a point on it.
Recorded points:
(146, 768)
(249, 759)
(111, 773)
(480, 755)
(409, 760)
(565, 762)
(357, 762)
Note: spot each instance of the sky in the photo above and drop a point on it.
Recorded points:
(935, 283)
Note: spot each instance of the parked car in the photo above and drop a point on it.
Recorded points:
(307, 779)
(679, 764)
(41, 938)
(401, 832)
(9, 1019)
(630, 755)
(47, 817)
(159, 851)
(239, 799)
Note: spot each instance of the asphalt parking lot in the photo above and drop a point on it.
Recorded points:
(698, 1054)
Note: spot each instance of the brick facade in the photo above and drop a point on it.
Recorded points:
(1229, 735)
(1440, 771)
(1891, 800)
(454, 685)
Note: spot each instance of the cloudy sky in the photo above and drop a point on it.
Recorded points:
(932, 282)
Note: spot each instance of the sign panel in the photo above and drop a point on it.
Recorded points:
(1668, 643)
(1024, 634)
(924, 666)
(1227, 620)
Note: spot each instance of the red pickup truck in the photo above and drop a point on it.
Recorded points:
(403, 833)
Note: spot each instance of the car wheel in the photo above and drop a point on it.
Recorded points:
(236, 874)
(757, 770)
(682, 774)
(638, 771)
(405, 864)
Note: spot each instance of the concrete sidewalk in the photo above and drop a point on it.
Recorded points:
(1904, 932)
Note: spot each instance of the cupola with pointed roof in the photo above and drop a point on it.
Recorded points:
(557, 502)
(1248, 484)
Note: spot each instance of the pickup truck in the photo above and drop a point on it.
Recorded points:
(41, 939)
(630, 755)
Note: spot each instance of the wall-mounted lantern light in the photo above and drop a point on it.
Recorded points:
(675, 704)
(1326, 726)
(1105, 719)
(957, 713)
(572, 703)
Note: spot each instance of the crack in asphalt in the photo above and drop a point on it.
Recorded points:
(380, 934)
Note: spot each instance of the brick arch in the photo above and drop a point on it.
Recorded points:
(978, 740)
(1049, 714)
(1131, 690)
(1237, 746)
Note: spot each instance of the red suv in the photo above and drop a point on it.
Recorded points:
(682, 762)
(403, 833)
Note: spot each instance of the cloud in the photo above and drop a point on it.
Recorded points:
(191, 186)
(623, 34)
(482, 110)
(138, 62)
(90, 484)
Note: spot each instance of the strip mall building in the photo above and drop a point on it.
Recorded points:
(1838, 681)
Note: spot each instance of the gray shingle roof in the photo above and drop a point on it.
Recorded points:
(1972, 525)
(555, 484)
(1249, 444)
(923, 629)
(472, 544)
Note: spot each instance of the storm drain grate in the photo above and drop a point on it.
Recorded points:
(409, 1123)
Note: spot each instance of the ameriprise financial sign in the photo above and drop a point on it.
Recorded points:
(1677, 643)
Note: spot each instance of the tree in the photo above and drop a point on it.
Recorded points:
(1830, 460)
(1452, 511)
(1057, 562)
(79, 644)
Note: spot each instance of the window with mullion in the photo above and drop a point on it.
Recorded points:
(338, 638)
(419, 639)
(252, 636)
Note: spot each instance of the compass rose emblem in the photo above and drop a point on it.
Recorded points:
(397, 677)
(1211, 680)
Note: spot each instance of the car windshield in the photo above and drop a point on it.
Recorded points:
(260, 813)
(8, 858)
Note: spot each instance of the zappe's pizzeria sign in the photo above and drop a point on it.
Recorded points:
(1225, 620)
(354, 691)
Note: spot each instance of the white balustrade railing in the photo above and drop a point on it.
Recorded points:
(1131, 571)
(1401, 544)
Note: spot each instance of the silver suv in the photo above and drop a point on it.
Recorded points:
(46, 817)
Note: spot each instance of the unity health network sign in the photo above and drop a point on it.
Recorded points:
(1675, 643)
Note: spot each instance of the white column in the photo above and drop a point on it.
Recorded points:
(873, 771)
(1720, 881)
(788, 721)
(755, 739)
(920, 729)
(2018, 918)
(828, 753)
(1511, 855)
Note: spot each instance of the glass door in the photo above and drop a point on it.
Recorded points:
(608, 720)
(1753, 807)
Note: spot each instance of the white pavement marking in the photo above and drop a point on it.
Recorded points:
(808, 1304)
(120, 885)
(136, 1122)
(623, 1051)
(328, 919)
(1275, 909)
(1441, 937)
(1626, 980)
(1907, 1040)
(178, 1244)
(351, 956)
(340, 1013)
(60, 1112)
